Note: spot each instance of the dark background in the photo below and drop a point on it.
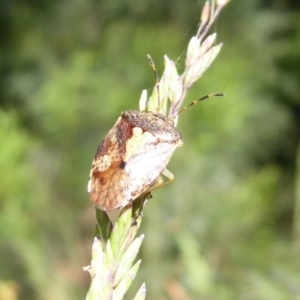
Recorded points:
(228, 227)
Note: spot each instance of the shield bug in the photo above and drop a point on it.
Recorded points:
(133, 155)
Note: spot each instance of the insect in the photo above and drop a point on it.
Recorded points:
(132, 156)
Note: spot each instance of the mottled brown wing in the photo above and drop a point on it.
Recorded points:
(108, 188)
(108, 180)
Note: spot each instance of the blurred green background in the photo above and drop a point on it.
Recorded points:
(228, 227)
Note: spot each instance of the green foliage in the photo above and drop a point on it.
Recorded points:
(115, 250)
(67, 71)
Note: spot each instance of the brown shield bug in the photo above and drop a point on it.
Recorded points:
(132, 156)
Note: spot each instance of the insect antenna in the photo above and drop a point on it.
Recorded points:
(152, 65)
(197, 101)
